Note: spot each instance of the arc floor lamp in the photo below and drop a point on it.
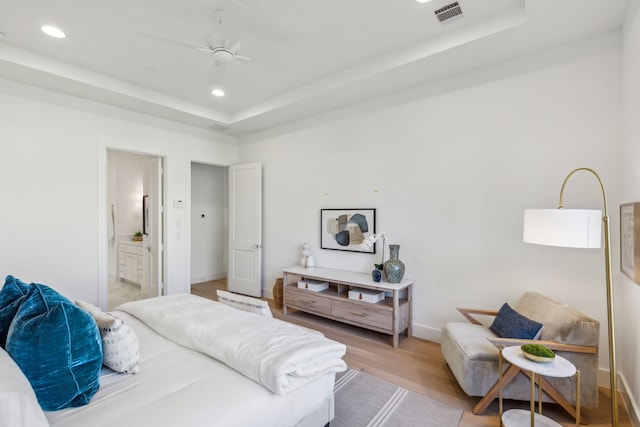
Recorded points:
(579, 228)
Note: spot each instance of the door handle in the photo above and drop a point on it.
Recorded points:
(257, 246)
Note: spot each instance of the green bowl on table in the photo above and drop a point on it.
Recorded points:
(537, 353)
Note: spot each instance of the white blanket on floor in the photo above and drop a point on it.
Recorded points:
(279, 355)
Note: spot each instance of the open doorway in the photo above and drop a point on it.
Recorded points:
(232, 242)
(135, 226)
(209, 228)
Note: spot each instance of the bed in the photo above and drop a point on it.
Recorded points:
(177, 385)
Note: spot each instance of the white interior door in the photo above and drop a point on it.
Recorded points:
(245, 229)
(152, 224)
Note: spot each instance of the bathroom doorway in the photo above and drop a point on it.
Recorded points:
(135, 226)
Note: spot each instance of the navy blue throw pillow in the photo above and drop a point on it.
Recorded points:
(511, 324)
(12, 295)
(58, 347)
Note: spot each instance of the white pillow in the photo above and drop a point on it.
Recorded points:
(120, 346)
(18, 404)
(241, 302)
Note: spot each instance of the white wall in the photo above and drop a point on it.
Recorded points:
(450, 167)
(208, 222)
(627, 314)
(54, 186)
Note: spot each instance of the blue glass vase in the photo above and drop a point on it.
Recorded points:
(393, 267)
(376, 275)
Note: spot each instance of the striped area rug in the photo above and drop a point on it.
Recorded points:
(366, 401)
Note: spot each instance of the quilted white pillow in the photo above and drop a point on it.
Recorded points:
(242, 302)
(120, 346)
(18, 404)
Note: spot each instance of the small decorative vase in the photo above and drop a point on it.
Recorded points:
(393, 267)
(376, 275)
(310, 262)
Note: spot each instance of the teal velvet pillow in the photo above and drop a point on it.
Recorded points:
(12, 295)
(58, 347)
(511, 324)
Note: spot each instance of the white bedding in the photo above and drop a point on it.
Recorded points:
(279, 355)
(180, 387)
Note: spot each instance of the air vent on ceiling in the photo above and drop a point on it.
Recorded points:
(449, 12)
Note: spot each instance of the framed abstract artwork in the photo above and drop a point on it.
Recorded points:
(347, 229)
(630, 240)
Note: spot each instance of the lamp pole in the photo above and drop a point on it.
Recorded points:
(610, 312)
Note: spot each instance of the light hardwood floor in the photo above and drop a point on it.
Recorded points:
(418, 365)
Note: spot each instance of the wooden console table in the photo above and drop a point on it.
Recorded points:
(390, 316)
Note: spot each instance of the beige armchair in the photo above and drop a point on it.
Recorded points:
(471, 351)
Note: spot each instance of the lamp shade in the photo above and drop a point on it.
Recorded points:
(571, 228)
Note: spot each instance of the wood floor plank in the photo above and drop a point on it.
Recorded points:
(417, 365)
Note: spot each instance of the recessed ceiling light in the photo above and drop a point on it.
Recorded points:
(217, 92)
(53, 32)
(423, 1)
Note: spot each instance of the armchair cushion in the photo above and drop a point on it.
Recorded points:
(511, 324)
(470, 356)
(562, 323)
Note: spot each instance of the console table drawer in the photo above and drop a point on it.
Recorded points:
(307, 299)
(374, 316)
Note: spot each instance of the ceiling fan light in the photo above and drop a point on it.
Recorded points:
(222, 54)
(53, 31)
(217, 92)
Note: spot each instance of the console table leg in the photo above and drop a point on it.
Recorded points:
(284, 298)
(410, 302)
(396, 317)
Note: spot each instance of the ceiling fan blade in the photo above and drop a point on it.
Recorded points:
(241, 5)
(166, 39)
(204, 48)
(235, 50)
(236, 46)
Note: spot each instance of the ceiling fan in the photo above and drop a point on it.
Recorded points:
(223, 42)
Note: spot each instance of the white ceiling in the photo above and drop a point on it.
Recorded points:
(306, 57)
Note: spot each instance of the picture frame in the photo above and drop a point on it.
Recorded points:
(630, 240)
(347, 229)
(145, 215)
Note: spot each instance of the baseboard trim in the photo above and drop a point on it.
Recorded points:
(207, 277)
(425, 332)
(629, 402)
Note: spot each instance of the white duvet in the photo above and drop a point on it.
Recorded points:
(279, 355)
